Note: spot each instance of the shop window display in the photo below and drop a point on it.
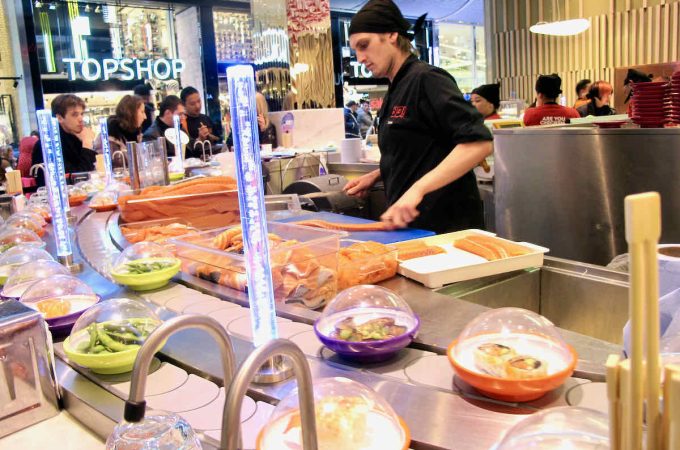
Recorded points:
(462, 54)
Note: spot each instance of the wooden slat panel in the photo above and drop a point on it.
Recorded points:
(674, 37)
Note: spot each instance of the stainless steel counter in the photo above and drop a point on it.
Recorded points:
(452, 415)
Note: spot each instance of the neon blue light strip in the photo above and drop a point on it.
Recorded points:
(178, 140)
(241, 81)
(55, 179)
(106, 149)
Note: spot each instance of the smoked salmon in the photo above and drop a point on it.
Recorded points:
(351, 227)
(490, 248)
(416, 249)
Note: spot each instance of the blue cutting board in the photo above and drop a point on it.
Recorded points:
(384, 237)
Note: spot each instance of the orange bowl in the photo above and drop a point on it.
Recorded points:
(104, 208)
(511, 390)
(76, 200)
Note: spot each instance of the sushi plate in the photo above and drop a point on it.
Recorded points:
(455, 265)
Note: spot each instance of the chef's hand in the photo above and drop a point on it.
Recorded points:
(360, 187)
(404, 211)
(261, 122)
(203, 132)
(86, 137)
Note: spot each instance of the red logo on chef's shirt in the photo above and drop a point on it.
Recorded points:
(398, 112)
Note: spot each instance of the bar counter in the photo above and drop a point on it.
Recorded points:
(440, 410)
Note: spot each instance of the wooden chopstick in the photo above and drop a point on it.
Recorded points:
(673, 409)
(613, 394)
(669, 370)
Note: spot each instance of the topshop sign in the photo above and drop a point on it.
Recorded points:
(125, 69)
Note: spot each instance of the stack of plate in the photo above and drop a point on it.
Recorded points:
(675, 98)
(651, 104)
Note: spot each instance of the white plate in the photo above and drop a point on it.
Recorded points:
(457, 265)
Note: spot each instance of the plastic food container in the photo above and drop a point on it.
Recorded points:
(39, 207)
(11, 237)
(61, 299)
(365, 263)
(192, 201)
(348, 415)
(367, 323)
(158, 231)
(512, 354)
(18, 256)
(26, 223)
(107, 337)
(304, 268)
(566, 427)
(25, 275)
(145, 266)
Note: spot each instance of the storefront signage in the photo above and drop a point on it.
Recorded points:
(360, 70)
(241, 82)
(55, 180)
(125, 69)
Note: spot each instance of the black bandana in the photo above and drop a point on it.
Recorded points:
(380, 16)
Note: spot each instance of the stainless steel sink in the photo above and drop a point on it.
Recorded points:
(587, 299)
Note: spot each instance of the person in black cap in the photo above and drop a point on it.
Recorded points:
(487, 99)
(144, 91)
(547, 111)
(430, 137)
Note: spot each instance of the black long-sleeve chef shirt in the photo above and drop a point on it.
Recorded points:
(423, 117)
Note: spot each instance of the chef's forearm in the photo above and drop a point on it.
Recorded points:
(462, 159)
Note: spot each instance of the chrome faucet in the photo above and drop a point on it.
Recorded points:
(239, 386)
(135, 406)
(33, 171)
(209, 148)
(122, 155)
(202, 148)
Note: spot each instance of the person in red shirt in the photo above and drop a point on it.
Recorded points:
(547, 111)
(487, 99)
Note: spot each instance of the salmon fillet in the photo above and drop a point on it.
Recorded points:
(376, 226)
(490, 248)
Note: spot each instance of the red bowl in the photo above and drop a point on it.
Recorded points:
(511, 390)
(644, 84)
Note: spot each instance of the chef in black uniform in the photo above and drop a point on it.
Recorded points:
(430, 138)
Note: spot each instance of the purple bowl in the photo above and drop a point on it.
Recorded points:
(61, 326)
(371, 351)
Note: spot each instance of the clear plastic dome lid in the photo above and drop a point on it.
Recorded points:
(104, 198)
(117, 186)
(34, 215)
(59, 295)
(11, 237)
(121, 320)
(39, 207)
(26, 223)
(142, 252)
(20, 255)
(25, 275)
(512, 343)
(366, 312)
(157, 430)
(88, 186)
(77, 191)
(348, 415)
(566, 427)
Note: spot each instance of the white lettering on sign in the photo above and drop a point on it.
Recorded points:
(127, 69)
(360, 70)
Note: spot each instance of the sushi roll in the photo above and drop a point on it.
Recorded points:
(525, 367)
(491, 358)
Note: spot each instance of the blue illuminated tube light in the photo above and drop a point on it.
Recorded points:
(241, 82)
(55, 180)
(106, 149)
(178, 141)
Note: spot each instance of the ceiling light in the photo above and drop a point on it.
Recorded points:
(562, 27)
(87, 8)
(53, 6)
(37, 4)
(98, 9)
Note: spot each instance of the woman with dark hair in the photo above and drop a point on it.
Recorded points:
(125, 126)
(600, 94)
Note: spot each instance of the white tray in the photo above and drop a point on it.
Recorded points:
(458, 265)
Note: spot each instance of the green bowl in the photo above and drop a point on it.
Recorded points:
(147, 281)
(176, 176)
(103, 363)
